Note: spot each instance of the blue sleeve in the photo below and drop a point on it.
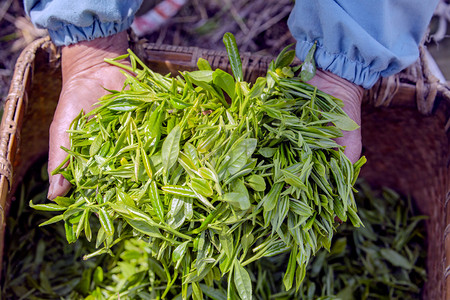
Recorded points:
(361, 40)
(72, 21)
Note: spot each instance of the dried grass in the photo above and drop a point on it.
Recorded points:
(259, 25)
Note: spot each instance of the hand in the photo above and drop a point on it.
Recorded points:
(351, 94)
(85, 75)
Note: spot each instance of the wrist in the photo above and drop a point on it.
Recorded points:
(84, 55)
(350, 93)
(353, 91)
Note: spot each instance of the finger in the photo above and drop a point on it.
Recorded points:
(351, 95)
(69, 106)
(59, 186)
(352, 142)
(77, 94)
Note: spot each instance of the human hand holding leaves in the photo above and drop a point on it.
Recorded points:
(351, 94)
(85, 77)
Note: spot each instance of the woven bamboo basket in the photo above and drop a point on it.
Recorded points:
(405, 128)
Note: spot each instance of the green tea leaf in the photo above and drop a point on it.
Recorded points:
(171, 148)
(226, 242)
(52, 220)
(155, 200)
(285, 58)
(64, 201)
(288, 278)
(203, 64)
(96, 145)
(197, 293)
(239, 155)
(202, 187)
(395, 258)
(242, 281)
(179, 251)
(340, 121)
(201, 76)
(106, 222)
(270, 200)
(256, 182)
(233, 56)
(46, 207)
(225, 81)
(144, 227)
(98, 275)
(239, 197)
(309, 65)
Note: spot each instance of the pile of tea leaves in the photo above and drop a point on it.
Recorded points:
(212, 172)
(383, 260)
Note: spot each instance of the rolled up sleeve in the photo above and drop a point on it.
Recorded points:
(361, 40)
(72, 21)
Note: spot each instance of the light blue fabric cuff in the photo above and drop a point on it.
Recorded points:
(72, 21)
(71, 34)
(339, 64)
(361, 40)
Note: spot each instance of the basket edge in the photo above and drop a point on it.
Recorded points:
(9, 125)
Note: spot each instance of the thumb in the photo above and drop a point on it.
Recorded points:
(59, 186)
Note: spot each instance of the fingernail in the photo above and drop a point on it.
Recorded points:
(56, 186)
(60, 180)
(51, 189)
(56, 182)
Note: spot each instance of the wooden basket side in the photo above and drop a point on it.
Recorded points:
(11, 123)
(406, 108)
(171, 59)
(408, 151)
(406, 122)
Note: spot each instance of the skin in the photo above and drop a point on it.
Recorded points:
(351, 94)
(85, 75)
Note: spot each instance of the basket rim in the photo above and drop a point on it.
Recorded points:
(417, 81)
